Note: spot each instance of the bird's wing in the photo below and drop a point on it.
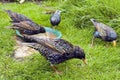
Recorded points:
(101, 28)
(55, 18)
(44, 50)
(16, 17)
(27, 25)
(58, 45)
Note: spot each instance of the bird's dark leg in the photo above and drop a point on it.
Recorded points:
(55, 69)
(92, 41)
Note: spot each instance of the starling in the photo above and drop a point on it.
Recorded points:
(55, 18)
(56, 50)
(104, 32)
(24, 25)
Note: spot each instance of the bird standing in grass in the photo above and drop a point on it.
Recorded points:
(104, 32)
(55, 18)
(56, 50)
(24, 25)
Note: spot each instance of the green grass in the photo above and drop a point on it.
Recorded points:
(103, 62)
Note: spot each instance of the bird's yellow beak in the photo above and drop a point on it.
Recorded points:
(114, 43)
(84, 60)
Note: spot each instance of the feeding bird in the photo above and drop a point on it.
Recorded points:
(56, 50)
(104, 32)
(55, 18)
(24, 24)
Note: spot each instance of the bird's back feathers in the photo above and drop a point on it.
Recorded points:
(59, 45)
(55, 18)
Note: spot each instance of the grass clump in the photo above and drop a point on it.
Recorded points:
(82, 10)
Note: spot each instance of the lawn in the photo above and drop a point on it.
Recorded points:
(76, 27)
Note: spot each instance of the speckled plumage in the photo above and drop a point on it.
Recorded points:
(56, 50)
(104, 32)
(24, 24)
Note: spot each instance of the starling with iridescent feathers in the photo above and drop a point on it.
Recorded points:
(56, 50)
(55, 18)
(23, 24)
(104, 32)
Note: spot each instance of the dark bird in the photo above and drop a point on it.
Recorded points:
(55, 18)
(104, 32)
(56, 50)
(24, 24)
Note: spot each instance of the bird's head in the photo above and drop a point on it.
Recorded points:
(79, 53)
(58, 12)
(8, 11)
(93, 21)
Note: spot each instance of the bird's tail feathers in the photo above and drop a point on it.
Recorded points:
(12, 27)
(30, 44)
(31, 38)
(33, 45)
